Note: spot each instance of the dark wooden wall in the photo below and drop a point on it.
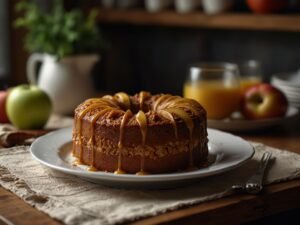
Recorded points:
(157, 58)
(18, 54)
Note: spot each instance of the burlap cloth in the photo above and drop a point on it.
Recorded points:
(74, 201)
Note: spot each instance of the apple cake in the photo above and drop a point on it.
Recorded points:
(140, 134)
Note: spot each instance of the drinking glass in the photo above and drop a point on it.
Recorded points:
(250, 74)
(215, 86)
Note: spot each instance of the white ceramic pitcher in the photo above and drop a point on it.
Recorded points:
(67, 81)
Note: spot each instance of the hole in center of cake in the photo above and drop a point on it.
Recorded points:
(136, 107)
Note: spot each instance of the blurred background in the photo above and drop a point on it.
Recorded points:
(149, 44)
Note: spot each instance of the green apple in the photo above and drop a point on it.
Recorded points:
(28, 107)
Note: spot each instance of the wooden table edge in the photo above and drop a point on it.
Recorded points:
(240, 208)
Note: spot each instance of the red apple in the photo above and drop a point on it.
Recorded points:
(267, 6)
(3, 115)
(263, 101)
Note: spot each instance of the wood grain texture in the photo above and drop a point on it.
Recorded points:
(244, 21)
(18, 54)
(19, 212)
(239, 208)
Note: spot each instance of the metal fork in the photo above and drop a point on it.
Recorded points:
(254, 184)
(5, 220)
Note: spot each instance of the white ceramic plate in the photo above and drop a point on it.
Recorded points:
(234, 125)
(288, 89)
(226, 150)
(287, 79)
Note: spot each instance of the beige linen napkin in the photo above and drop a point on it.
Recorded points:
(74, 201)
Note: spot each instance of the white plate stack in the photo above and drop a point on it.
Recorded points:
(289, 84)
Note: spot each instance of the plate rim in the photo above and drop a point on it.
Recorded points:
(110, 177)
(294, 111)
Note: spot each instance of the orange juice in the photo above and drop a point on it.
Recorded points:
(246, 82)
(219, 99)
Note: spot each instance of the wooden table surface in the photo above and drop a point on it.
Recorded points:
(240, 208)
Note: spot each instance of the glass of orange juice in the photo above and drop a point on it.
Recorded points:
(250, 74)
(215, 86)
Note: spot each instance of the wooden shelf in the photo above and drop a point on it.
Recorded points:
(244, 21)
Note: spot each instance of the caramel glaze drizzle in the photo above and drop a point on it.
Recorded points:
(95, 104)
(92, 140)
(167, 115)
(142, 121)
(78, 126)
(125, 119)
(165, 105)
(159, 102)
(190, 125)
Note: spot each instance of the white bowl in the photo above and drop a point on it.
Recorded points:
(216, 6)
(291, 80)
(184, 6)
(157, 5)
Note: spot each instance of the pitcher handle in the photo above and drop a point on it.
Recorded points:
(31, 67)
